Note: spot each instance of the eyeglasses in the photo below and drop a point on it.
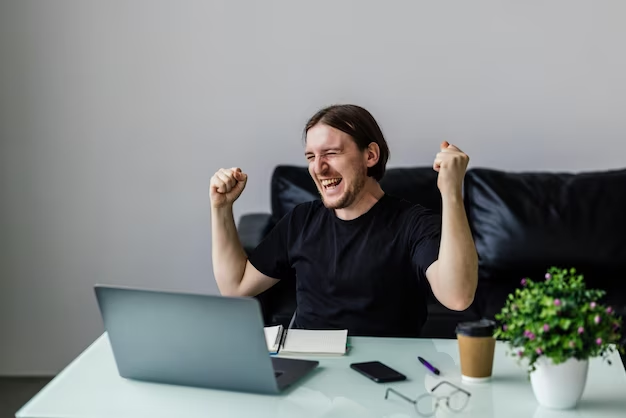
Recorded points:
(426, 404)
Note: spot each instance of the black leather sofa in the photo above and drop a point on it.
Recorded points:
(522, 224)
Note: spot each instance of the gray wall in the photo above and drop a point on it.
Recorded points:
(114, 115)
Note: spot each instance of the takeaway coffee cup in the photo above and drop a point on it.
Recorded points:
(476, 349)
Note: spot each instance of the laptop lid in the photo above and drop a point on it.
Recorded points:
(187, 339)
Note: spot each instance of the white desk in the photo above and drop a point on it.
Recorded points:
(91, 387)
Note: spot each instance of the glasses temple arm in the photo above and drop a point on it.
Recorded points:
(454, 386)
(400, 395)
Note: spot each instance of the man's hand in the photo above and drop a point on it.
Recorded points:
(226, 186)
(451, 164)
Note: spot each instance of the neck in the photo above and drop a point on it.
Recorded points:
(371, 193)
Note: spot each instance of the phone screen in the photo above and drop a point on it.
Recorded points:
(378, 371)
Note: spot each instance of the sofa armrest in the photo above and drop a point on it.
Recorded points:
(252, 229)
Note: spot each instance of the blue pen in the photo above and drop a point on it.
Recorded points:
(428, 365)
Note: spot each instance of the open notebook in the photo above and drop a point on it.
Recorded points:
(305, 341)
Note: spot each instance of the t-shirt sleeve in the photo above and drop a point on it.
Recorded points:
(271, 256)
(424, 239)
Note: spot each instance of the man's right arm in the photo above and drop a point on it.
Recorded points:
(234, 274)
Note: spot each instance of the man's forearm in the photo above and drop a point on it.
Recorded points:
(458, 262)
(229, 257)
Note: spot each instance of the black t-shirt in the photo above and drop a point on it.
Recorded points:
(366, 275)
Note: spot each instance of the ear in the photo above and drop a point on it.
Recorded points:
(372, 154)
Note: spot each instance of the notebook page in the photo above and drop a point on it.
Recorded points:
(272, 335)
(315, 341)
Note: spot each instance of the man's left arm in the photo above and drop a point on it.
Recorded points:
(454, 276)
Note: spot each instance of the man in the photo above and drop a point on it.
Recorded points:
(360, 257)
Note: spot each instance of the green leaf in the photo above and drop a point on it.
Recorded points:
(565, 324)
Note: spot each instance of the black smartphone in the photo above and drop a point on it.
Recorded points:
(378, 372)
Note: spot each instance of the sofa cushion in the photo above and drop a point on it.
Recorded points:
(415, 184)
(291, 186)
(523, 223)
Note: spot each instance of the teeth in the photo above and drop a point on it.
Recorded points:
(329, 182)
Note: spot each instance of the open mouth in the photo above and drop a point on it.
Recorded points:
(330, 184)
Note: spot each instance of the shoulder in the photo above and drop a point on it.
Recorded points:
(414, 219)
(310, 206)
(305, 211)
(406, 208)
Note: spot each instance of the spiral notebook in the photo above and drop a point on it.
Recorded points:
(305, 341)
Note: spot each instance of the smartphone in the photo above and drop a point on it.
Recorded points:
(378, 372)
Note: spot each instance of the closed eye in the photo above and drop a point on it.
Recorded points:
(311, 157)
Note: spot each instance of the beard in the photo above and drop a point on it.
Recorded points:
(349, 195)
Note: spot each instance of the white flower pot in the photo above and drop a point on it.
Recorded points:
(559, 386)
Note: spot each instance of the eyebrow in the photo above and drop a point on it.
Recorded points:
(324, 150)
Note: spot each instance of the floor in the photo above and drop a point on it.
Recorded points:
(16, 391)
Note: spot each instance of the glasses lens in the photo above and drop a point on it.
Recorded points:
(457, 400)
(426, 405)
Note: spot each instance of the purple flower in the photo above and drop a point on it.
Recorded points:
(505, 327)
(581, 330)
(546, 327)
(524, 282)
(609, 310)
(531, 336)
(557, 302)
(592, 305)
(539, 351)
(548, 276)
(572, 344)
(520, 353)
(599, 341)
(597, 319)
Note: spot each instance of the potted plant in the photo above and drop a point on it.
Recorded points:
(555, 325)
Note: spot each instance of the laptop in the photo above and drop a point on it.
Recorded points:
(193, 340)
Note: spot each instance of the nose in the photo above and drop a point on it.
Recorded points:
(319, 165)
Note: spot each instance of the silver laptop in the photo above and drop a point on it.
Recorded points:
(193, 340)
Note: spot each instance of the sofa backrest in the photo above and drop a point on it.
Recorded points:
(523, 223)
(292, 185)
